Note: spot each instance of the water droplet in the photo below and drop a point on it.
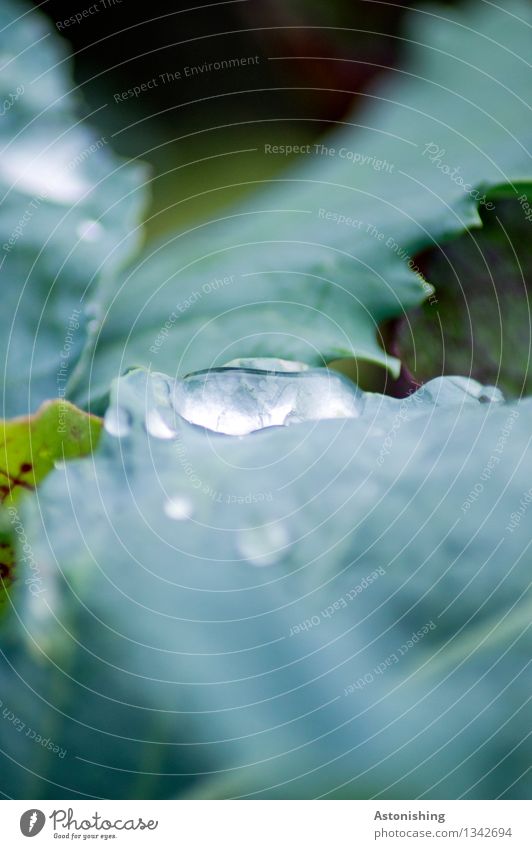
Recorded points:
(443, 391)
(491, 395)
(157, 427)
(117, 421)
(90, 230)
(264, 545)
(179, 508)
(238, 401)
(60, 465)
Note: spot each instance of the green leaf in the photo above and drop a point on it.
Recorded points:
(314, 262)
(29, 449)
(337, 607)
(68, 217)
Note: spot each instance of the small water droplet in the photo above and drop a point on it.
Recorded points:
(157, 427)
(117, 421)
(90, 230)
(443, 391)
(491, 395)
(60, 465)
(179, 508)
(264, 545)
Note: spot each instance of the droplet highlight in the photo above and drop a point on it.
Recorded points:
(90, 230)
(179, 508)
(117, 422)
(264, 545)
(157, 427)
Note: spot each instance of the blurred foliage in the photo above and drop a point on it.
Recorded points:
(481, 324)
(314, 261)
(68, 216)
(171, 125)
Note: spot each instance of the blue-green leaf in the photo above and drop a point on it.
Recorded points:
(310, 266)
(68, 216)
(332, 608)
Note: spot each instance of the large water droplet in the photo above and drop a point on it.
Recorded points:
(179, 508)
(117, 421)
(264, 545)
(239, 401)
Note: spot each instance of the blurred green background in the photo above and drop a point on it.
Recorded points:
(315, 61)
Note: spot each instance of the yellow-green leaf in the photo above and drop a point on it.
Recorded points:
(29, 448)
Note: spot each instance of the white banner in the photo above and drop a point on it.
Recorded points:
(267, 824)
